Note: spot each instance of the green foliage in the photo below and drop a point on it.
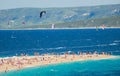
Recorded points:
(109, 22)
(72, 17)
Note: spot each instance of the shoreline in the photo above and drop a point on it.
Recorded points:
(63, 28)
(19, 63)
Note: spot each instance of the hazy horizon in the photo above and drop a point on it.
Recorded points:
(12, 4)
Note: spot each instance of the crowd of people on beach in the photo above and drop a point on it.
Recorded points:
(19, 62)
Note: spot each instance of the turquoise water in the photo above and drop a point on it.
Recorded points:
(14, 42)
(105, 67)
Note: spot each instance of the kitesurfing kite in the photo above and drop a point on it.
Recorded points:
(41, 13)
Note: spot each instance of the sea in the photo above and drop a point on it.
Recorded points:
(15, 42)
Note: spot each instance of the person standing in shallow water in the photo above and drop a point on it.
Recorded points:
(6, 69)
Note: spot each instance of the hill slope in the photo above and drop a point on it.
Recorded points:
(61, 17)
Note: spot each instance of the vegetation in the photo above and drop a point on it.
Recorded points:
(72, 17)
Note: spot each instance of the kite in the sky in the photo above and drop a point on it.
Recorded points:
(42, 13)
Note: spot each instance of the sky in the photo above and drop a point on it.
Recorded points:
(10, 4)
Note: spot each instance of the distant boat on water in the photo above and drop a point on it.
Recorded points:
(53, 26)
(103, 26)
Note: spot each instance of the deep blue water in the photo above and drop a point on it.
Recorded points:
(14, 42)
(58, 41)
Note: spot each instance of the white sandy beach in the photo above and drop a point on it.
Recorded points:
(17, 63)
